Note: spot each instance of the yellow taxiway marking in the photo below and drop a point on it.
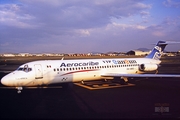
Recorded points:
(102, 86)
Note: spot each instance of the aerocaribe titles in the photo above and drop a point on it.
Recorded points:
(90, 63)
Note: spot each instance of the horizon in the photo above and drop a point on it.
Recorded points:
(147, 50)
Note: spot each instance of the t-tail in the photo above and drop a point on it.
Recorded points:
(157, 51)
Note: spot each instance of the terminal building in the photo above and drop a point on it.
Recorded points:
(138, 52)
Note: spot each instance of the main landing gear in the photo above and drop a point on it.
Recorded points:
(19, 89)
(82, 82)
(156, 71)
(123, 80)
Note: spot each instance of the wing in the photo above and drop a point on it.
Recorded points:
(140, 75)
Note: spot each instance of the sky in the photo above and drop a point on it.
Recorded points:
(83, 26)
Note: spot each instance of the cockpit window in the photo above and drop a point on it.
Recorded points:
(25, 68)
(20, 69)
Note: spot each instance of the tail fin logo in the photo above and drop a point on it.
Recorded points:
(158, 48)
(157, 56)
(158, 53)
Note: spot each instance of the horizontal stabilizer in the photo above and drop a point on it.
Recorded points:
(158, 50)
(170, 42)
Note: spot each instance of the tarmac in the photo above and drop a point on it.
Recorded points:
(141, 98)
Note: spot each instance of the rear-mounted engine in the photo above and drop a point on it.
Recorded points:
(148, 67)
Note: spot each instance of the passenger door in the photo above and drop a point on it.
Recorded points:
(38, 71)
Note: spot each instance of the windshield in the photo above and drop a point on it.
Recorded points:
(25, 68)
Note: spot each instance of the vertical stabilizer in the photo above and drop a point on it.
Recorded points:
(157, 51)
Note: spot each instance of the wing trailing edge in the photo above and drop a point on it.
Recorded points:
(140, 75)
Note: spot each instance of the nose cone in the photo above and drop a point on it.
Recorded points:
(5, 81)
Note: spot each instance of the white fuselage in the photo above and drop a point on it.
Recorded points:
(46, 72)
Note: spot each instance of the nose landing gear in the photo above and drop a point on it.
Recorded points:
(19, 89)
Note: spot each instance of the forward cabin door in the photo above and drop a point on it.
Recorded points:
(38, 71)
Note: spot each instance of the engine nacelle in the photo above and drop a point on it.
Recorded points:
(148, 67)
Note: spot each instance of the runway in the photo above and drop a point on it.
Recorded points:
(144, 98)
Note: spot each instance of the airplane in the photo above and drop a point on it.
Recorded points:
(45, 72)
